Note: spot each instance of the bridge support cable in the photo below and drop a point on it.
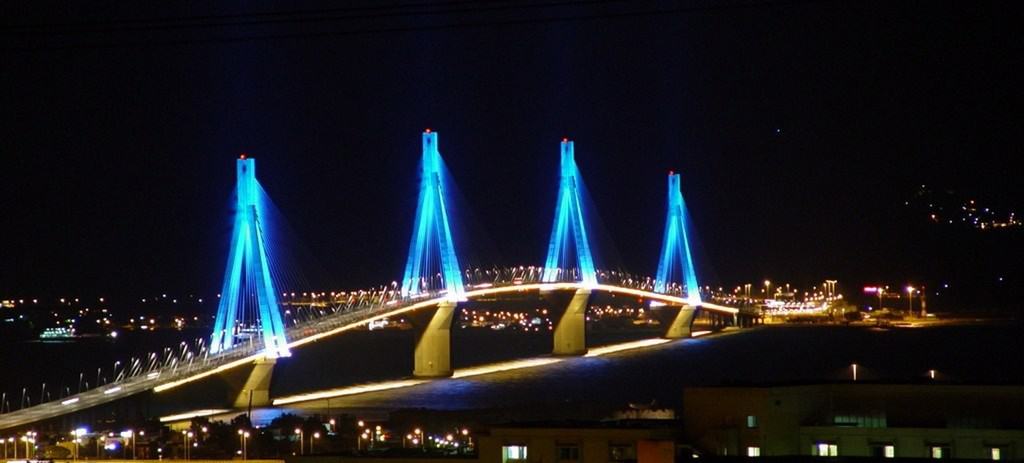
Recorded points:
(433, 355)
(570, 221)
(248, 305)
(432, 230)
(675, 248)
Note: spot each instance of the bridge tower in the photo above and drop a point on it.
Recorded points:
(675, 247)
(570, 222)
(432, 228)
(248, 303)
(675, 251)
(432, 238)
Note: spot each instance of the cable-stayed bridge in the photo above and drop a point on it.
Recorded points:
(249, 329)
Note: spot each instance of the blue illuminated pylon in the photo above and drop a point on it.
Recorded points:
(431, 229)
(675, 247)
(569, 221)
(248, 281)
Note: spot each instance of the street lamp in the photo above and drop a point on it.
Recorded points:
(302, 447)
(29, 438)
(187, 435)
(419, 439)
(854, 368)
(767, 288)
(243, 436)
(77, 438)
(129, 434)
(316, 435)
(910, 301)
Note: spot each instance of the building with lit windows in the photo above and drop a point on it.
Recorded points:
(636, 441)
(605, 441)
(879, 421)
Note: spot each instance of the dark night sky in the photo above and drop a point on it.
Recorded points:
(799, 128)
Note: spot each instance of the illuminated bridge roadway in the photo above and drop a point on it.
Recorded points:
(190, 364)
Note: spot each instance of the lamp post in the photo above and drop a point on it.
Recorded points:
(187, 435)
(29, 438)
(302, 448)
(316, 435)
(129, 435)
(910, 301)
(854, 368)
(243, 437)
(418, 432)
(77, 438)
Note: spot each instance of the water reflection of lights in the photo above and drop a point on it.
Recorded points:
(604, 350)
(351, 390)
(469, 372)
(192, 414)
(503, 366)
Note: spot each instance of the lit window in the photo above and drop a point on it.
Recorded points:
(996, 453)
(890, 451)
(753, 451)
(825, 449)
(751, 421)
(938, 452)
(511, 453)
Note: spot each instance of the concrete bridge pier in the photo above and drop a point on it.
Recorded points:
(255, 392)
(433, 356)
(678, 320)
(571, 331)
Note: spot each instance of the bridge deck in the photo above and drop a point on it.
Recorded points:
(162, 379)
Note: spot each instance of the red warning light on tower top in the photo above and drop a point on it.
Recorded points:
(242, 156)
(427, 131)
(671, 173)
(565, 139)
